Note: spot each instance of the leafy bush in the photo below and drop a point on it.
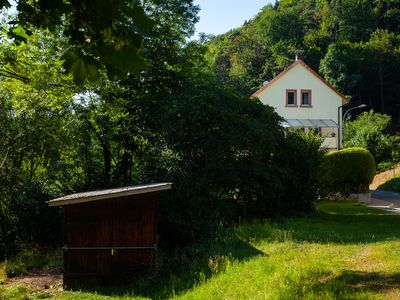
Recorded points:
(300, 161)
(369, 131)
(231, 161)
(349, 170)
(223, 145)
(386, 165)
(33, 260)
(35, 222)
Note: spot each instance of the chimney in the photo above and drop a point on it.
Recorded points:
(299, 55)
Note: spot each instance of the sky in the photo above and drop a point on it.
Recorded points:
(219, 16)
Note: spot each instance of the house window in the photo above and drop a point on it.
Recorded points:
(291, 98)
(305, 98)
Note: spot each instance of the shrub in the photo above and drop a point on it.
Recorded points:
(369, 131)
(300, 158)
(231, 161)
(222, 167)
(386, 165)
(33, 260)
(350, 170)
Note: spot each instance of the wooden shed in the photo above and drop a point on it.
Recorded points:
(110, 236)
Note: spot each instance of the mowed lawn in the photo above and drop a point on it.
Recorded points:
(343, 251)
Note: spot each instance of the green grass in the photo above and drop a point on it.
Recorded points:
(392, 185)
(3, 274)
(343, 251)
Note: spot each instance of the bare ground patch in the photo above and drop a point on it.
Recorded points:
(381, 178)
(44, 280)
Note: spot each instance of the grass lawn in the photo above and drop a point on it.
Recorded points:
(392, 185)
(343, 251)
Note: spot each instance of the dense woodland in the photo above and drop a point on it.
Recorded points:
(75, 116)
(354, 44)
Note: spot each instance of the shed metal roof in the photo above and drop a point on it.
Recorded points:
(109, 194)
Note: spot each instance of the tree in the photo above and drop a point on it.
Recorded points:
(34, 137)
(369, 131)
(381, 48)
(343, 66)
(102, 34)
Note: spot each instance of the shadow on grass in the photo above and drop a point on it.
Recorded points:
(371, 281)
(351, 284)
(345, 224)
(333, 222)
(187, 267)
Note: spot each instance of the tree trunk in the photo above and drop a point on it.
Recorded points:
(107, 162)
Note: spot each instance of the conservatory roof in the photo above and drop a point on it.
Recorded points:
(309, 123)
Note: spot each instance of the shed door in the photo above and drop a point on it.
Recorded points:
(87, 228)
(134, 228)
(117, 237)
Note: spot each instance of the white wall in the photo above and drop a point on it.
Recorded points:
(324, 100)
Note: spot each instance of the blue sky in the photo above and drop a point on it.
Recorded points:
(219, 16)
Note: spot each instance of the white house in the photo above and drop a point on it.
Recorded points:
(305, 100)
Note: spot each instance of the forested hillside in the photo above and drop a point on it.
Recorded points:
(354, 44)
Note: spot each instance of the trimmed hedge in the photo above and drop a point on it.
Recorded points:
(350, 170)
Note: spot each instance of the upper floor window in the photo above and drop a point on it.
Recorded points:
(291, 97)
(305, 98)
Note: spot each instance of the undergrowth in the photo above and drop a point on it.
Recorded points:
(33, 260)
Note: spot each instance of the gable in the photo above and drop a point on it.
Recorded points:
(298, 73)
(298, 79)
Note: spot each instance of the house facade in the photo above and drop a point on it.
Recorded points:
(306, 101)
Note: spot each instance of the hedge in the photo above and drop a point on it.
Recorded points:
(350, 170)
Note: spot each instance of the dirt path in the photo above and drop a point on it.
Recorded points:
(383, 177)
(50, 279)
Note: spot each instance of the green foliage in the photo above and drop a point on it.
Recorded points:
(341, 66)
(33, 260)
(369, 131)
(35, 222)
(57, 138)
(386, 165)
(231, 160)
(102, 34)
(350, 170)
(301, 159)
(223, 143)
(35, 134)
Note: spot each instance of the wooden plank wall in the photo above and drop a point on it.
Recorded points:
(120, 222)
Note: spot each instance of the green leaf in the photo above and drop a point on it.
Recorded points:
(141, 23)
(81, 67)
(20, 31)
(125, 59)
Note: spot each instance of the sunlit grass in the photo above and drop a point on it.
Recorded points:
(3, 273)
(343, 251)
